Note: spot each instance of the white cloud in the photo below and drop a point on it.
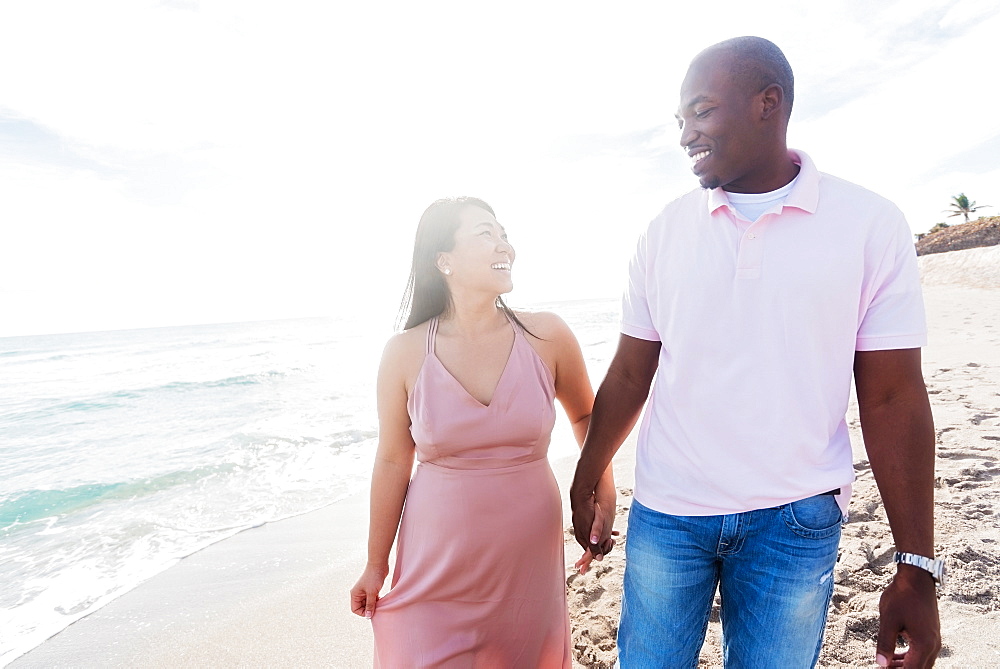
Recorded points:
(185, 161)
(898, 131)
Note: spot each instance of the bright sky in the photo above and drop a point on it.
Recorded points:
(180, 161)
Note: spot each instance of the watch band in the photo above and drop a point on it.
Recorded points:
(935, 567)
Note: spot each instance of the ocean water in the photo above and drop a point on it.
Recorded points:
(123, 452)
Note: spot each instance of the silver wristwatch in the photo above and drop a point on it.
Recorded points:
(935, 567)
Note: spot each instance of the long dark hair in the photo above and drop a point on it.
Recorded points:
(427, 294)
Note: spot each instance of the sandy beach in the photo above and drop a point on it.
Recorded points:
(277, 595)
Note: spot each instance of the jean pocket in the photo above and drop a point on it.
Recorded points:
(816, 517)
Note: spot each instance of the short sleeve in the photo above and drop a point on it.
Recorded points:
(894, 317)
(637, 320)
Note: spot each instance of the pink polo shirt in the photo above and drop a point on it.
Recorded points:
(758, 325)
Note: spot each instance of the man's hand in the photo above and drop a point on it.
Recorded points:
(908, 608)
(585, 518)
(616, 409)
(583, 564)
(606, 504)
(593, 521)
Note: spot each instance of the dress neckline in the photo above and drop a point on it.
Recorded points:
(432, 339)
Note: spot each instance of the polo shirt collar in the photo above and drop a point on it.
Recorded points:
(804, 195)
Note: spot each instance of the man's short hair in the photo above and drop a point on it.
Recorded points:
(757, 63)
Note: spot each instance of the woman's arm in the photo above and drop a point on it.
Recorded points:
(576, 395)
(390, 476)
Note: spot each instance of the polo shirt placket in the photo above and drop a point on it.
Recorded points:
(750, 251)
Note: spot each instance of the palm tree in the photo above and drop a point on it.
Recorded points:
(963, 206)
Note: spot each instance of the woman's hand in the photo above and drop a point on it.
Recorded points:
(603, 521)
(583, 564)
(364, 594)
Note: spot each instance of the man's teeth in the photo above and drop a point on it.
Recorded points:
(501, 265)
(698, 156)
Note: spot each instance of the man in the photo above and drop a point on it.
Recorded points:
(752, 300)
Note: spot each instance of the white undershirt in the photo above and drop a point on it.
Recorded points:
(752, 205)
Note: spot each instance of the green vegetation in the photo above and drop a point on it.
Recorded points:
(938, 227)
(960, 206)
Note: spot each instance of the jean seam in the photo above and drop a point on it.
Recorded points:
(704, 627)
(826, 614)
(738, 536)
(788, 517)
(742, 521)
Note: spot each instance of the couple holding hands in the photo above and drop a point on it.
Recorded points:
(754, 300)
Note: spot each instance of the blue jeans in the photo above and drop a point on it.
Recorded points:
(774, 570)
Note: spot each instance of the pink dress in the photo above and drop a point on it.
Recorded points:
(479, 579)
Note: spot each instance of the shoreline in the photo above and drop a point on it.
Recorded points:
(269, 595)
(272, 595)
(277, 594)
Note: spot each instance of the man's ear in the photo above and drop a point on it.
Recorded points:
(771, 99)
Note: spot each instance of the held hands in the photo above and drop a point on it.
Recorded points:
(583, 564)
(593, 520)
(908, 608)
(364, 594)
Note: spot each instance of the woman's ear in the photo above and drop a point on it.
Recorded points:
(443, 263)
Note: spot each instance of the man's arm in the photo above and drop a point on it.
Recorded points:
(617, 407)
(899, 438)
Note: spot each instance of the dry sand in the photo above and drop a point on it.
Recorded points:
(277, 595)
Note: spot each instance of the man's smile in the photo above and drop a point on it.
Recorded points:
(698, 157)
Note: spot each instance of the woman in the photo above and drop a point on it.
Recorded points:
(468, 389)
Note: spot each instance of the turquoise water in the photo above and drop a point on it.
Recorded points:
(123, 452)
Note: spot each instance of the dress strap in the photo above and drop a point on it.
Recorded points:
(432, 329)
(513, 324)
